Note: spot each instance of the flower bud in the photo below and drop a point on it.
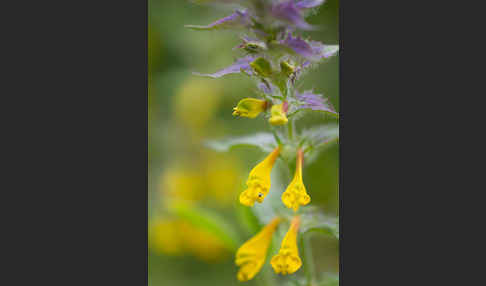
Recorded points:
(249, 107)
(254, 46)
(287, 68)
(262, 67)
(278, 114)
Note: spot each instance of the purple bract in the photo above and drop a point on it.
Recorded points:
(236, 67)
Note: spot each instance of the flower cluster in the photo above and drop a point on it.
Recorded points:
(276, 57)
(251, 256)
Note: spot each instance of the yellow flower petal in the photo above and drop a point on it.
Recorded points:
(259, 180)
(295, 195)
(278, 114)
(251, 255)
(249, 107)
(287, 261)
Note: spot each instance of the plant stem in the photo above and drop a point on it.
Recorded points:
(290, 129)
(276, 136)
(309, 268)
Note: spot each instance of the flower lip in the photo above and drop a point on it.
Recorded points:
(259, 181)
(296, 195)
(278, 114)
(287, 261)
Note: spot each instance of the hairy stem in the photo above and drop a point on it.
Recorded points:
(275, 135)
(290, 128)
(309, 267)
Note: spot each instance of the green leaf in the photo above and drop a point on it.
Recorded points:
(318, 139)
(329, 280)
(209, 221)
(316, 222)
(321, 134)
(263, 140)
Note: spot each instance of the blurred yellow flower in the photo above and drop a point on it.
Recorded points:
(278, 114)
(249, 107)
(295, 194)
(287, 261)
(175, 236)
(210, 178)
(259, 180)
(164, 237)
(221, 176)
(251, 255)
(196, 102)
(182, 183)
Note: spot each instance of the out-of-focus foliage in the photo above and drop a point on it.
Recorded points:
(195, 220)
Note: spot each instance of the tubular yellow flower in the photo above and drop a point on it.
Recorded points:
(251, 255)
(249, 107)
(259, 180)
(295, 195)
(287, 261)
(278, 114)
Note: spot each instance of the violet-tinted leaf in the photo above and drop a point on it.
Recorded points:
(299, 46)
(314, 101)
(312, 50)
(235, 20)
(236, 67)
(323, 51)
(306, 4)
(215, 1)
(288, 12)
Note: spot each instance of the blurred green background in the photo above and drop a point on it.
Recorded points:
(185, 109)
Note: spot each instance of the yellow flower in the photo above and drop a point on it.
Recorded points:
(182, 183)
(287, 261)
(196, 102)
(295, 195)
(251, 255)
(278, 114)
(259, 180)
(221, 175)
(249, 107)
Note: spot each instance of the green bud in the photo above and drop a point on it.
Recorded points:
(287, 68)
(254, 47)
(262, 67)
